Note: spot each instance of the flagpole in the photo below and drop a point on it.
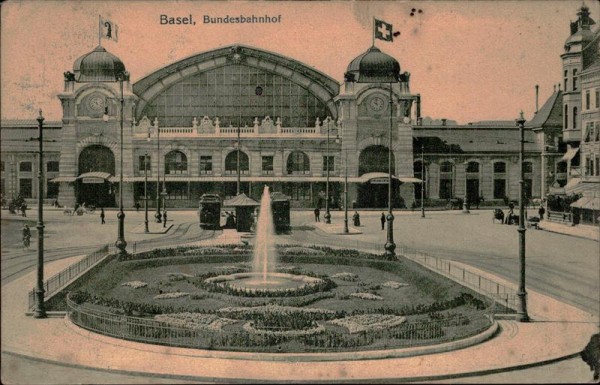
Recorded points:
(99, 29)
(373, 35)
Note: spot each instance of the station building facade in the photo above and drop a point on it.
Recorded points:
(282, 123)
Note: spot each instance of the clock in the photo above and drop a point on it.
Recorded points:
(376, 103)
(96, 103)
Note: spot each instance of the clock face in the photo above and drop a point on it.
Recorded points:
(96, 103)
(376, 103)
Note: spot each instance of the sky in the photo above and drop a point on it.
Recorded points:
(469, 60)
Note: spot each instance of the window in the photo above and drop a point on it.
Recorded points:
(25, 167)
(175, 163)
(267, 164)
(472, 167)
(597, 98)
(231, 162)
(587, 99)
(51, 189)
(445, 188)
(148, 163)
(566, 125)
(527, 167)
(499, 188)
(499, 168)
(298, 163)
(589, 132)
(574, 79)
(446, 176)
(528, 188)
(328, 163)
(297, 191)
(446, 167)
(205, 165)
(574, 118)
(25, 188)
(597, 139)
(177, 191)
(52, 166)
(566, 79)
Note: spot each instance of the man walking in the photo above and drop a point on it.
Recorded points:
(382, 221)
(317, 215)
(102, 216)
(542, 211)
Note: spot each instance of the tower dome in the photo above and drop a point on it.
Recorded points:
(374, 66)
(98, 66)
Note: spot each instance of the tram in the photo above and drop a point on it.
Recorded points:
(210, 212)
(280, 206)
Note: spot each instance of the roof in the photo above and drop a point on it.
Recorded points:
(20, 136)
(550, 115)
(470, 139)
(493, 123)
(28, 123)
(241, 200)
(374, 66)
(98, 66)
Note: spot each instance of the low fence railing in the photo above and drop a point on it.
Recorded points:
(502, 294)
(58, 281)
(156, 332)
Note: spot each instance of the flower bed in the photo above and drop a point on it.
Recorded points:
(345, 276)
(368, 322)
(171, 295)
(251, 328)
(394, 284)
(196, 321)
(135, 284)
(367, 296)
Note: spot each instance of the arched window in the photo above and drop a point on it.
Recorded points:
(298, 163)
(176, 163)
(499, 180)
(566, 117)
(96, 158)
(231, 162)
(574, 79)
(472, 167)
(446, 180)
(574, 118)
(375, 159)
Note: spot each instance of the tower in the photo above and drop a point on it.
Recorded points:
(90, 145)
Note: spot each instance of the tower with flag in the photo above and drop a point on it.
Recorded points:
(107, 29)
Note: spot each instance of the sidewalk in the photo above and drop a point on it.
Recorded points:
(560, 331)
(582, 231)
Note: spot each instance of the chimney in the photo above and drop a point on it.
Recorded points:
(444, 122)
(537, 94)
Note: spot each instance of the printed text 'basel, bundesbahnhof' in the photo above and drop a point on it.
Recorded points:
(226, 19)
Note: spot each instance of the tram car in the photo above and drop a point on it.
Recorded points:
(210, 212)
(280, 207)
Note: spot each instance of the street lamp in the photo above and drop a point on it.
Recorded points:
(422, 181)
(40, 309)
(390, 246)
(146, 229)
(465, 208)
(346, 230)
(521, 293)
(327, 213)
(121, 244)
(164, 197)
(157, 215)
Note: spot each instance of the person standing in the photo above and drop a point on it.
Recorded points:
(26, 236)
(102, 216)
(137, 207)
(164, 218)
(317, 215)
(541, 212)
(356, 218)
(382, 221)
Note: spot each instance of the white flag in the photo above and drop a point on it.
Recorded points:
(108, 30)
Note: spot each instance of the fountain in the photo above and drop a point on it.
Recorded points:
(264, 259)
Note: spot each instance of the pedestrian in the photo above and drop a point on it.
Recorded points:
(382, 221)
(137, 206)
(356, 219)
(317, 215)
(24, 209)
(591, 355)
(164, 217)
(26, 236)
(102, 216)
(542, 211)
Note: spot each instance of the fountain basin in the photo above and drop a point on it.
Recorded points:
(269, 282)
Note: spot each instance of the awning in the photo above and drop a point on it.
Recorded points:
(590, 203)
(59, 179)
(574, 182)
(382, 177)
(241, 200)
(570, 154)
(95, 174)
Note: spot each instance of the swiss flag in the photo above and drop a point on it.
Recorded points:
(383, 30)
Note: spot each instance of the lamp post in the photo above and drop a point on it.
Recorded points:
(146, 229)
(390, 246)
(422, 181)
(238, 160)
(465, 208)
(121, 244)
(157, 214)
(521, 293)
(327, 213)
(40, 309)
(346, 230)
(164, 197)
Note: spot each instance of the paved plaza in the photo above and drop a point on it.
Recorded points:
(563, 301)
